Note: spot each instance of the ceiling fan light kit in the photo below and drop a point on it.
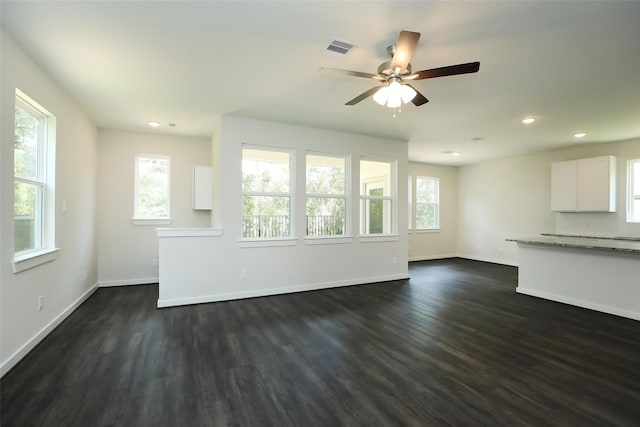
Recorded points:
(394, 73)
(394, 94)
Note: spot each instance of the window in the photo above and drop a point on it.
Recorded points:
(427, 203)
(266, 193)
(377, 193)
(633, 191)
(33, 182)
(151, 204)
(326, 196)
(410, 204)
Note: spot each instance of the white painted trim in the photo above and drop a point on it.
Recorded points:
(128, 282)
(34, 259)
(432, 257)
(580, 303)
(35, 340)
(277, 291)
(366, 238)
(491, 260)
(189, 232)
(333, 240)
(267, 242)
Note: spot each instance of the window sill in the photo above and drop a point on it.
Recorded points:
(34, 259)
(427, 230)
(151, 221)
(267, 242)
(328, 240)
(379, 238)
(189, 232)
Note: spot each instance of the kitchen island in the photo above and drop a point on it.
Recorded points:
(599, 273)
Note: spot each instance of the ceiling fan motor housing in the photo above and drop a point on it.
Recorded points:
(386, 69)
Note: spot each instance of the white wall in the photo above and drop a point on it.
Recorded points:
(201, 269)
(127, 251)
(511, 198)
(65, 282)
(443, 242)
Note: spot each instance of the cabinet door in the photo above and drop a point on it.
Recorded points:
(563, 186)
(202, 187)
(596, 184)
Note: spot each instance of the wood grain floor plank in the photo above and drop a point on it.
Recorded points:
(452, 346)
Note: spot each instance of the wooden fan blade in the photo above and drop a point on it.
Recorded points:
(419, 99)
(405, 46)
(354, 73)
(451, 70)
(363, 95)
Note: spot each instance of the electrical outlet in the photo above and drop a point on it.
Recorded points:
(40, 303)
(395, 260)
(243, 274)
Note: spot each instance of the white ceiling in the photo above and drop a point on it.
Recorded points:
(575, 65)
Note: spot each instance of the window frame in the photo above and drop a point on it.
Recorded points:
(345, 195)
(269, 240)
(44, 182)
(436, 226)
(410, 203)
(143, 220)
(633, 194)
(392, 198)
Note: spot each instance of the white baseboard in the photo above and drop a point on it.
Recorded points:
(580, 303)
(276, 291)
(491, 260)
(30, 344)
(431, 257)
(128, 282)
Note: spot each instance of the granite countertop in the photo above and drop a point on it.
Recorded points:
(584, 236)
(582, 242)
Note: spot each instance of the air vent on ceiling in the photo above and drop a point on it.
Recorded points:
(340, 47)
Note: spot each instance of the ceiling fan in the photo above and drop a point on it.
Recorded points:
(395, 74)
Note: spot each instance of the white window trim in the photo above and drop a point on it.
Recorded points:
(328, 240)
(393, 193)
(368, 238)
(47, 251)
(346, 196)
(632, 217)
(28, 260)
(139, 220)
(289, 240)
(437, 205)
(410, 203)
(267, 242)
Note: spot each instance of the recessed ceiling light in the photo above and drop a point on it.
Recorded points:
(579, 135)
(153, 123)
(528, 120)
(453, 153)
(475, 139)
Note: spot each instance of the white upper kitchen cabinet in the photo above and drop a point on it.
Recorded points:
(584, 185)
(202, 187)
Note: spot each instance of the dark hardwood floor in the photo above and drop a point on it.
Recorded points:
(453, 346)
